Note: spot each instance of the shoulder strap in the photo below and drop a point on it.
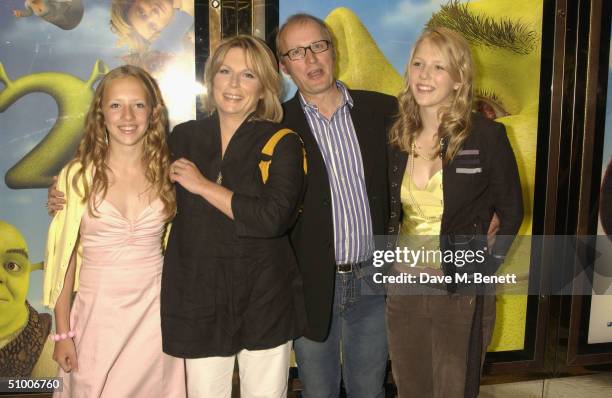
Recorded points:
(268, 151)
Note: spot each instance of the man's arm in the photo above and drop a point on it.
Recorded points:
(55, 198)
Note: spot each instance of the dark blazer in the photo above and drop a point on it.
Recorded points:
(482, 179)
(313, 236)
(228, 284)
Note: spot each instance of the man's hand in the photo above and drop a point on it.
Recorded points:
(493, 230)
(55, 198)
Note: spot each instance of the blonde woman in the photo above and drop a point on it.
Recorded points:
(450, 171)
(231, 287)
(106, 244)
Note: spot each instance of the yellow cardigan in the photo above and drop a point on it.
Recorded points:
(64, 233)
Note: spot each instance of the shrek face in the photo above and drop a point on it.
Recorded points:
(14, 276)
(506, 51)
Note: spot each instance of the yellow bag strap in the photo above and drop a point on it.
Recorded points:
(268, 150)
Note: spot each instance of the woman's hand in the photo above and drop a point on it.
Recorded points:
(55, 198)
(188, 175)
(493, 230)
(64, 354)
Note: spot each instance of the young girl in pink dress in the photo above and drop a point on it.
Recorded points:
(106, 244)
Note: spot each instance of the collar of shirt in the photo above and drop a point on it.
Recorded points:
(346, 99)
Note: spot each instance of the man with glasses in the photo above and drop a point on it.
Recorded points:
(345, 205)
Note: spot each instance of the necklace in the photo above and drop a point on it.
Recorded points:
(421, 155)
(219, 178)
(411, 199)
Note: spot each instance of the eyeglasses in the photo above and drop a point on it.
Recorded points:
(300, 52)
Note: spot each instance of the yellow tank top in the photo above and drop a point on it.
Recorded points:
(418, 230)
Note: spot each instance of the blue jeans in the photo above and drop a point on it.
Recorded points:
(355, 349)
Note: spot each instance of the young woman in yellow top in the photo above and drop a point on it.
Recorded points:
(450, 170)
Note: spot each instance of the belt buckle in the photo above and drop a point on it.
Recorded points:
(344, 268)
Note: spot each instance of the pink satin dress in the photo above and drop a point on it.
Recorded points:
(116, 315)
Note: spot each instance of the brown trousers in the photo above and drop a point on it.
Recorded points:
(428, 342)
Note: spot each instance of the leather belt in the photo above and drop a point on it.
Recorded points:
(349, 267)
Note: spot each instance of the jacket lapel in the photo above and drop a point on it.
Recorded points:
(296, 120)
(362, 118)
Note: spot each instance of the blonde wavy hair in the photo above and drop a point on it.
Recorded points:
(455, 119)
(261, 60)
(93, 148)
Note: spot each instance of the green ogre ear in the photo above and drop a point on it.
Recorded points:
(37, 266)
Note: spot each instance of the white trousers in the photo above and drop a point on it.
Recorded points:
(263, 373)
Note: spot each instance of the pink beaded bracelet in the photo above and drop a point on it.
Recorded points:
(62, 336)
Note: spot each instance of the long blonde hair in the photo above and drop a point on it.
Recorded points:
(93, 148)
(261, 60)
(455, 119)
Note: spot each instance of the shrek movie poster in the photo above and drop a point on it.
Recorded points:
(52, 55)
(54, 52)
(600, 321)
(373, 43)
